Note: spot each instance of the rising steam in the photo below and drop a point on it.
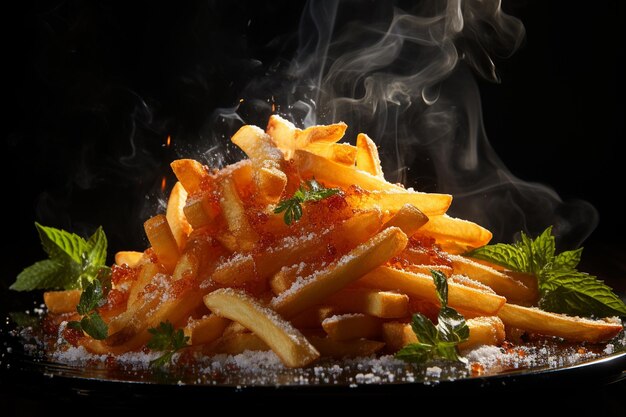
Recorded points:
(406, 78)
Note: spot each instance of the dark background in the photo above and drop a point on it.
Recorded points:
(92, 89)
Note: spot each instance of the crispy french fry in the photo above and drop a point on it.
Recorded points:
(321, 133)
(313, 317)
(130, 258)
(271, 182)
(283, 133)
(352, 326)
(257, 144)
(383, 304)
(176, 216)
(284, 339)
(575, 329)
(484, 330)
(341, 153)
(365, 257)
(396, 335)
(236, 271)
(147, 272)
(467, 235)
(59, 302)
(431, 204)
(338, 175)
(191, 174)
(367, 158)
(237, 343)
(347, 348)
(514, 290)
(205, 330)
(242, 235)
(409, 218)
(186, 268)
(162, 241)
(422, 286)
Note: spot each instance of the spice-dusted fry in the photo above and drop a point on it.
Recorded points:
(409, 218)
(191, 174)
(271, 183)
(352, 326)
(237, 343)
(396, 335)
(162, 241)
(342, 153)
(257, 144)
(241, 235)
(287, 342)
(236, 271)
(313, 317)
(311, 290)
(575, 329)
(201, 210)
(320, 133)
(464, 235)
(130, 258)
(422, 286)
(205, 330)
(345, 348)
(383, 304)
(367, 158)
(514, 291)
(484, 330)
(176, 216)
(431, 204)
(147, 272)
(59, 302)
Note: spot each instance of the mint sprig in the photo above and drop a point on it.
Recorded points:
(72, 261)
(92, 297)
(165, 339)
(310, 191)
(437, 341)
(562, 288)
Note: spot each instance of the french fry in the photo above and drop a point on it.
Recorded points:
(465, 234)
(514, 290)
(320, 133)
(59, 302)
(147, 272)
(205, 330)
(186, 268)
(422, 286)
(575, 329)
(396, 335)
(236, 271)
(341, 153)
(130, 258)
(352, 326)
(191, 174)
(383, 304)
(237, 343)
(201, 210)
(367, 158)
(257, 144)
(271, 182)
(242, 236)
(283, 133)
(175, 215)
(162, 240)
(284, 339)
(313, 317)
(409, 218)
(362, 259)
(484, 330)
(334, 174)
(431, 204)
(345, 349)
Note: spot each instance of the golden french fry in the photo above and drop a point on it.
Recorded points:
(467, 235)
(271, 182)
(352, 326)
(130, 258)
(283, 133)
(144, 277)
(313, 317)
(234, 327)
(409, 218)
(59, 302)
(202, 210)
(422, 286)
(321, 133)
(191, 174)
(284, 339)
(257, 144)
(176, 216)
(575, 329)
(205, 330)
(347, 348)
(484, 330)
(243, 235)
(367, 158)
(383, 304)
(162, 240)
(236, 271)
(314, 289)
(341, 153)
(186, 268)
(396, 335)
(237, 343)
(514, 290)
(334, 174)
(431, 204)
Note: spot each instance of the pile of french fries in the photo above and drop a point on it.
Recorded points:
(344, 280)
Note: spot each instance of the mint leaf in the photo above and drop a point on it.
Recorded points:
(580, 294)
(441, 340)
(91, 298)
(72, 262)
(310, 191)
(164, 338)
(562, 288)
(94, 326)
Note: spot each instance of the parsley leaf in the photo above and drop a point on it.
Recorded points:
(437, 341)
(562, 288)
(310, 191)
(73, 261)
(164, 338)
(92, 297)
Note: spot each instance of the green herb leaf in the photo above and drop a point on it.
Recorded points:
(562, 288)
(441, 340)
(94, 326)
(310, 191)
(164, 338)
(91, 298)
(72, 262)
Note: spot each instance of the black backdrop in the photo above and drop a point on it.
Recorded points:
(85, 77)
